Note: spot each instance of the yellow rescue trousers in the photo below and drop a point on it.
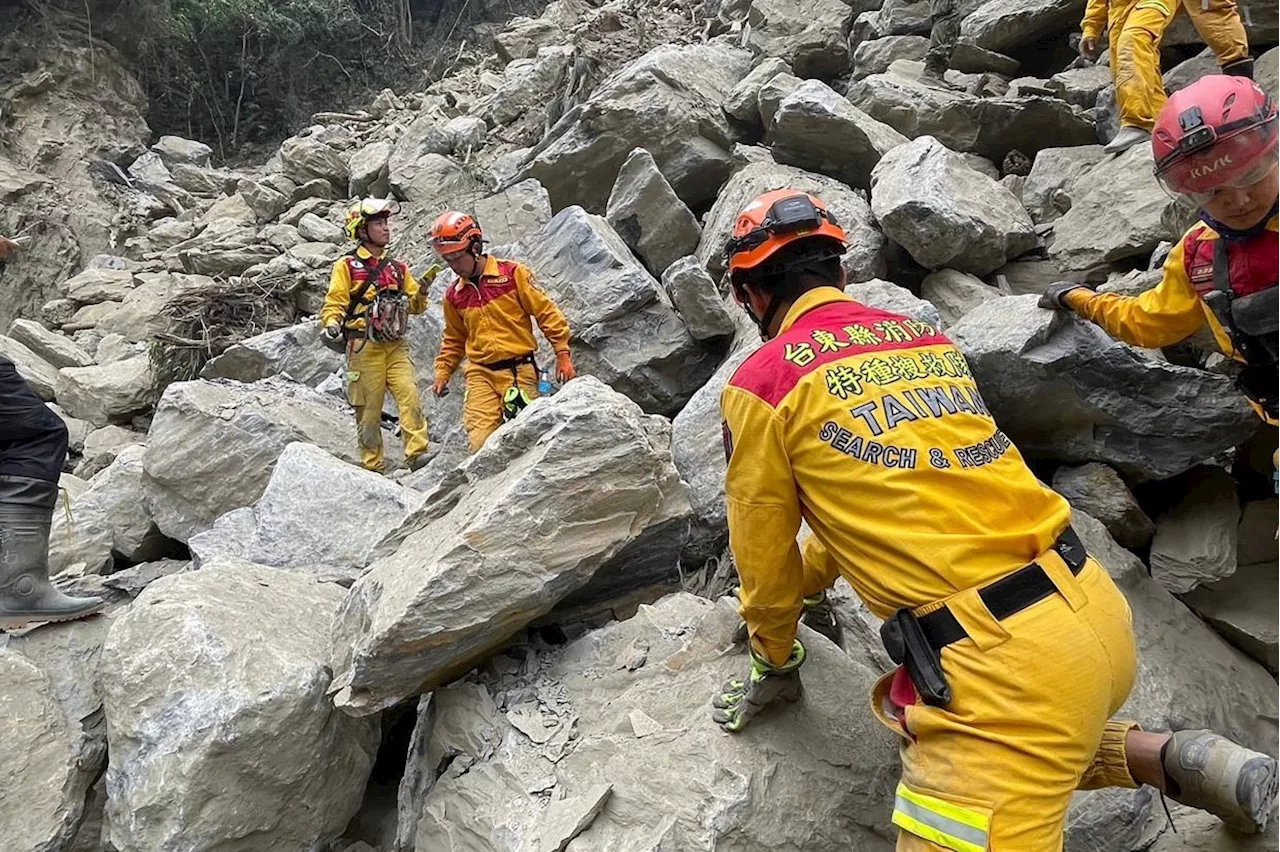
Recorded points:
(1029, 722)
(482, 405)
(1219, 24)
(371, 371)
(1135, 30)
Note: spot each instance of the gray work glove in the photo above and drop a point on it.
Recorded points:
(738, 701)
(1053, 298)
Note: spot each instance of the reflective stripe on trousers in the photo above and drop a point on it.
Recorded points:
(944, 823)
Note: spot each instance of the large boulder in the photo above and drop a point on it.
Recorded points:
(743, 102)
(863, 261)
(56, 349)
(552, 498)
(623, 331)
(624, 709)
(929, 201)
(305, 158)
(955, 293)
(174, 150)
(668, 102)
(990, 127)
(888, 296)
(647, 214)
(433, 182)
(1261, 26)
(36, 371)
(1099, 491)
(213, 444)
(99, 284)
(1063, 389)
(773, 93)
(1011, 25)
(818, 130)
(875, 56)
(1195, 540)
(1117, 212)
(1056, 178)
(810, 34)
(528, 85)
(108, 392)
(696, 298)
(516, 213)
(295, 352)
(369, 170)
(318, 514)
(54, 734)
(220, 732)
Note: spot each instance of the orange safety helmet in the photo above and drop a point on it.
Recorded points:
(777, 219)
(454, 231)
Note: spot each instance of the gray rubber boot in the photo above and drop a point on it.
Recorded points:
(26, 595)
(1126, 139)
(1235, 784)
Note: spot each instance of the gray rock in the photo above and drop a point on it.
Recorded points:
(1056, 178)
(432, 182)
(294, 214)
(668, 102)
(810, 34)
(1024, 277)
(175, 149)
(116, 347)
(1116, 213)
(57, 350)
(969, 58)
(875, 56)
(863, 261)
(203, 181)
(204, 674)
(109, 392)
(1062, 389)
(955, 293)
(422, 139)
(818, 130)
(524, 37)
(565, 819)
(77, 430)
(283, 237)
(1267, 72)
(516, 213)
(56, 313)
(369, 170)
(305, 158)
(1195, 540)
(904, 17)
(109, 519)
(1261, 26)
(984, 166)
(772, 94)
(54, 734)
(989, 126)
(233, 209)
(38, 373)
(1098, 491)
(315, 188)
(528, 85)
(100, 285)
(314, 229)
(466, 133)
(140, 316)
(695, 297)
(103, 445)
(398, 634)
(645, 733)
(295, 352)
(1080, 86)
(888, 296)
(89, 316)
(213, 444)
(265, 202)
(150, 168)
(649, 216)
(743, 102)
(945, 214)
(1008, 25)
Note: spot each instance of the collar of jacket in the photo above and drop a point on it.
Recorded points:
(1231, 235)
(364, 254)
(815, 298)
(490, 270)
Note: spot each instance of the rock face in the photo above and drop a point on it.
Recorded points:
(1056, 173)
(213, 444)
(305, 158)
(945, 214)
(1005, 25)
(101, 394)
(954, 294)
(1195, 541)
(1061, 388)
(38, 373)
(875, 56)
(54, 735)
(668, 102)
(863, 261)
(56, 349)
(1098, 491)
(743, 102)
(696, 298)
(295, 352)
(626, 706)
(646, 213)
(516, 213)
(369, 170)
(1117, 213)
(204, 674)
(818, 130)
(585, 463)
(888, 296)
(809, 33)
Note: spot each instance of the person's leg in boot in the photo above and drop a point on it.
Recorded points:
(403, 383)
(820, 573)
(367, 389)
(33, 448)
(482, 404)
(1219, 25)
(942, 42)
(1139, 85)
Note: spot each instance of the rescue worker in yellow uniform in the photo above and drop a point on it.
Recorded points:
(487, 315)
(370, 297)
(1015, 646)
(1135, 28)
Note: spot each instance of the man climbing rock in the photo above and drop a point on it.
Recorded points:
(1135, 28)
(33, 448)
(1014, 645)
(366, 314)
(945, 31)
(487, 315)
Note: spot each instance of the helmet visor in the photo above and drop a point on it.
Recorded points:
(1201, 165)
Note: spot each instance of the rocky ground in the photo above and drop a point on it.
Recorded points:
(494, 653)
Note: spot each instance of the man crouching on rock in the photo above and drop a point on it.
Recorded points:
(33, 448)
(367, 308)
(1014, 645)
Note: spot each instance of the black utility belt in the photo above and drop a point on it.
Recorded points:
(917, 641)
(508, 364)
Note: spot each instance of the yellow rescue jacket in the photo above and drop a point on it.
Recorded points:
(870, 427)
(488, 320)
(347, 278)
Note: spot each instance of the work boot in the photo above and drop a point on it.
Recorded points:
(417, 462)
(820, 617)
(936, 77)
(26, 595)
(1126, 139)
(1209, 772)
(1239, 68)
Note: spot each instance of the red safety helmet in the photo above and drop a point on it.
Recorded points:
(777, 219)
(454, 231)
(1219, 131)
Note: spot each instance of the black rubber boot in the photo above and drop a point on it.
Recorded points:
(26, 595)
(1239, 68)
